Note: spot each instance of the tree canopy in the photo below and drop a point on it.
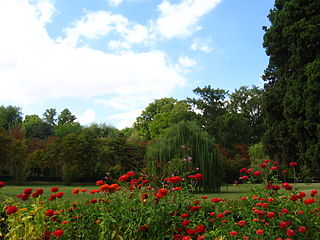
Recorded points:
(292, 88)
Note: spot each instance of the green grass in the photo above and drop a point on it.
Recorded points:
(230, 192)
(13, 191)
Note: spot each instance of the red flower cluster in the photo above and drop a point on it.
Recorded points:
(11, 209)
(174, 179)
(197, 177)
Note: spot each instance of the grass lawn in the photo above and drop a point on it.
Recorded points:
(230, 191)
(13, 191)
(236, 192)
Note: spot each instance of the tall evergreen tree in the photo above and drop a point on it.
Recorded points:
(292, 86)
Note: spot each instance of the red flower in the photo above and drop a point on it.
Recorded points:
(162, 192)
(185, 222)
(290, 233)
(271, 214)
(257, 173)
(144, 228)
(302, 229)
(293, 163)
(174, 179)
(302, 194)
(39, 191)
(130, 174)
(11, 209)
(314, 192)
(274, 168)
(60, 194)
(93, 201)
(263, 165)
(27, 191)
(233, 233)
(58, 233)
(243, 170)
(46, 235)
(191, 231)
(241, 223)
(54, 189)
(200, 229)
(283, 225)
(221, 215)
(2, 184)
(186, 238)
(184, 215)
(309, 201)
(244, 177)
(100, 182)
(284, 211)
(259, 232)
(124, 178)
(197, 177)
(204, 197)
(49, 212)
(75, 191)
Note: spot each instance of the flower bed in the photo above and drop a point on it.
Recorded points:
(133, 209)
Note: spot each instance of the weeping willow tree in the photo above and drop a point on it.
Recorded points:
(184, 148)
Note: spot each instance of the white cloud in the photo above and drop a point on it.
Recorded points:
(45, 10)
(181, 19)
(126, 119)
(87, 117)
(34, 67)
(93, 25)
(203, 45)
(185, 61)
(115, 3)
(99, 24)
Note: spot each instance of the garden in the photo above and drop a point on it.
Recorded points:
(136, 207)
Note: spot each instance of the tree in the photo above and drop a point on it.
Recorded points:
(211, 104)
(248, 102)
(9, 117)
(66, 117)
(160, 114)
(292, 90)
(35, 127)
(5, 143)
(49, 116)
(186, 139)
(232, 129)
(67, 128)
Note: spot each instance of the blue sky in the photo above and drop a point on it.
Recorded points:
(106, 60)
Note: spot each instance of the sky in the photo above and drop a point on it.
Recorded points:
(106, 60)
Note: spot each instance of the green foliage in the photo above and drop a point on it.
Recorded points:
(49, 116)
(35, 127)
(257, 154)
(292, 90)
(160, 115)
(204, 154)
(10, 116)
(68, 128)
(17, 164)
(127, 154)
(232, 129)
(5, 144)
(66, 117)
(211, 104)
(248, 102)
